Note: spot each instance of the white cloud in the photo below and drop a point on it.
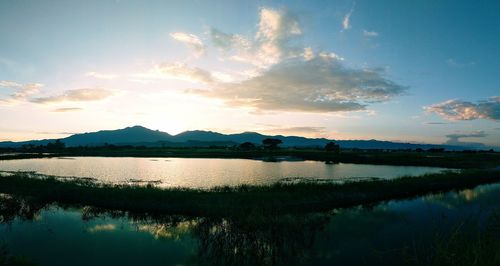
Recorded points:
(346, 22)
(370, 34)
(179, 71)
(454, 139)
(318, 85)
(223, 77)
(271, 43)
(285, 76)
(299, 130)
(67, 109)
(77, 95)
(328, 56)
(21, 91)
(191, 40)
(226, 42)
(462, 110)
(308, 54)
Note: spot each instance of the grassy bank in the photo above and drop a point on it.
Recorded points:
(460, 160)
(277, 198)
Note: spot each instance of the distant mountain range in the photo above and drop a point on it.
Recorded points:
(138, 135)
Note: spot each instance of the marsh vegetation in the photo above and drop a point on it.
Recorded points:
(280, 197)
(449, 228)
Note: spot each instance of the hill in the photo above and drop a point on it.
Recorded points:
(138, 135)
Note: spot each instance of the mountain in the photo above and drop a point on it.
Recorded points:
(126, 135)
(138, 135)
(199, 135)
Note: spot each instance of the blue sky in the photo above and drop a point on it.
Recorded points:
(417, 71)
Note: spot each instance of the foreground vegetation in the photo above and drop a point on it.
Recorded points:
(266, 225)
(280, 197)
(469, 243)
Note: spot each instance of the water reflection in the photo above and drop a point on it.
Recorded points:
(12, 207)
(258, 240)
(202, 173)
(377, 234)
(253, 239)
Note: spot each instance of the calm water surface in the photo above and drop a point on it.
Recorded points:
(51, 235)
(204, 172)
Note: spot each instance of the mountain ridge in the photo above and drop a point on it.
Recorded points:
(139, 135)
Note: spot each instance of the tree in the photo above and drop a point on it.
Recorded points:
(332, 147)
(271, 143)
(58, 145)
(247, 146)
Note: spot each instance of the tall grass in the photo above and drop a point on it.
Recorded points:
(299, 197)
(468, 243)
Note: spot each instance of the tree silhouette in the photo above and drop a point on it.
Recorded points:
(332, 147)
(247, 146)
(270, 143)
(58, 145)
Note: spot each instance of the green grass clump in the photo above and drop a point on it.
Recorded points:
(280, 197)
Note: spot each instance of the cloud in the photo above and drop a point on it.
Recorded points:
(463, 110)
(22, 91)
(453, 63)
(68, 109)
(328, 56)
(100, 75)
(78, 95)
(226, 41)
(346, 22)
(304, 129)
(57, 133)
(272, 42)
(370, 34)
(191, 40)
(322, 84)
(179, 71)
(454, 139)
(310, 131)
(298, 130)
(308, 54)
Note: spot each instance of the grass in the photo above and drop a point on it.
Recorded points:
(446, 159)
(468, 243)
(277, 198)
(267, 225)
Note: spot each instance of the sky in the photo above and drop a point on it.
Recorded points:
(410, 71)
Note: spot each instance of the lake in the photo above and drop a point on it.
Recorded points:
(378, 234)
(204, 173)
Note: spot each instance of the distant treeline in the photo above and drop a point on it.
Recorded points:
(267, 144)
(58, 145)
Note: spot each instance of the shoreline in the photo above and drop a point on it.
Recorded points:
(276, 198)
(456, 160)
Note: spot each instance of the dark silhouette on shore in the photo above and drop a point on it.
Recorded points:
(141, 136)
